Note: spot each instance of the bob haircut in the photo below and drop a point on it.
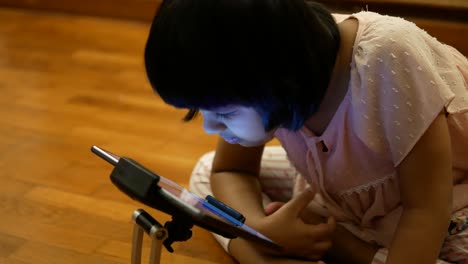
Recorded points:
(275, 56)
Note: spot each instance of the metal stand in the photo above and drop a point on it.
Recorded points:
(172, 231)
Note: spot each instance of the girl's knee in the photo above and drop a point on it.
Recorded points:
(200, 177)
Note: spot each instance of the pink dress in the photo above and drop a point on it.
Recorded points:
(401, 79)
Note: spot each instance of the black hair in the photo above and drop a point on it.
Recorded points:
(276, 56)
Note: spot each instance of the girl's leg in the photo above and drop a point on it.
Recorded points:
(277, 178)
(455, 247)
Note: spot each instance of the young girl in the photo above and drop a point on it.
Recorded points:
(371, 113)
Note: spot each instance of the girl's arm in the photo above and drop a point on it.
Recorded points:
(426, 192)
(349, 249)
(234, 178)
(235, 182)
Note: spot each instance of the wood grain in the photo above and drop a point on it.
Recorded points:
(447, 20)
(67, 83)
(130, 9)
(144, 9)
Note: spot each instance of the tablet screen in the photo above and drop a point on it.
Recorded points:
(202, 205)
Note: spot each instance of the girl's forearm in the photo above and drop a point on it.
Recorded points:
(419, 236)
(241, 192)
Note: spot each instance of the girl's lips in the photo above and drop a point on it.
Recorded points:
(232, 140)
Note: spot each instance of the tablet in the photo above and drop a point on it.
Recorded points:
(160, 193)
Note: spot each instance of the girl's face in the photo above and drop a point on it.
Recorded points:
(236, 125)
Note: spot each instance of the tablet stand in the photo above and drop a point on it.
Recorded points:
(176, 230)
(162, 194)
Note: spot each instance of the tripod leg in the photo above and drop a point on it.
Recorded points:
(137, 244)
(158, 235)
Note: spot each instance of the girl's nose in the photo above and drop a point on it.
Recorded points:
(213, 126)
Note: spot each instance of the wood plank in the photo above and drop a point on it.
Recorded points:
(88, 205)
(11, 261)
(64, 90)
(185, 251)
(135, 9)
(145, 9)
(49, 234)
(57, 255)
(9, 244)
(34, 213)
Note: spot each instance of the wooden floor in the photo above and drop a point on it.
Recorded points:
(67, 83)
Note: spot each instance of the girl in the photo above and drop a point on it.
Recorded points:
(370, 110)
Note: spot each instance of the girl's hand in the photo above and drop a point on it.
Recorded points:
(300, 232)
